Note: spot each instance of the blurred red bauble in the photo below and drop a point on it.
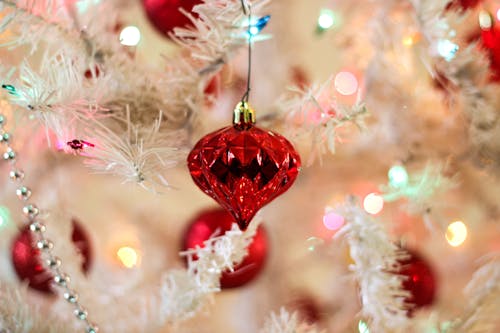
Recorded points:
(91, 74)
(212, 89)
(206, 224)
(28, 263)
(420, 281)
(165, 15)
(490, 39)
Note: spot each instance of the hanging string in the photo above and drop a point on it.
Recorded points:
(247, 10)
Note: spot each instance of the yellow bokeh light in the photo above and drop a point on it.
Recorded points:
(456, 233)
(129, 257)
(411, 40)
(373, 203)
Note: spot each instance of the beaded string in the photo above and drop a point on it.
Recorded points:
(31, 212)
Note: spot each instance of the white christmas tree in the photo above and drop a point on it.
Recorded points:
(392, 223)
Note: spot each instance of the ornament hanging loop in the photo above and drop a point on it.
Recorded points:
(243, 115)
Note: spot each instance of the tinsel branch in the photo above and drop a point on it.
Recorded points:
(375, 259)
(218, 33)
(53, 94)
(284, 322)
(185, 292)
(483, 292)
(136, 155)
(34, 21)
(17, 316)
(315, 113)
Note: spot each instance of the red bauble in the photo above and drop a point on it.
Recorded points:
(243, 167)
(491, 42)
(27, 262)
(206, 224)
(420, 281)
(89, 74)
(165, 14)
(212, 89)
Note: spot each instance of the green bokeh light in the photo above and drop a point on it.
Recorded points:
(5, 218)
(398, 177)
(363, 327)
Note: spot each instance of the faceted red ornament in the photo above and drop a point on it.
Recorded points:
(218, 221)
(165, 14)
(27, 261)
(243, 167)
(420, 281)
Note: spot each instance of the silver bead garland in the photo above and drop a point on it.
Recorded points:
(38, 229)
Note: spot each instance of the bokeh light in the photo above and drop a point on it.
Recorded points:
(456, 233)
(326, 19)
(398, 177)
(363, 327)
(373, 203)
(498, 14)
(4, 217)
(485, 20)
(130, 36)
(447, 49)
(314, 242)
(346, 83)
(332, 220)
(128, 256)
(411, 39)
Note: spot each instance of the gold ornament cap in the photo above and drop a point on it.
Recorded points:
(243, 114)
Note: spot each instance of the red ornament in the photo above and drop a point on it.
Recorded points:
(89, 74)
(212, 89)
(165, 15)
(206, 224)
(243, 167)
(420, 281)
(27, 262)
(491, 42)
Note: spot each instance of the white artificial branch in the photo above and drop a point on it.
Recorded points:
(53, 94)
(284, 322)
(375, 259)
(218, 32)
(17, 316)
(37, 22)
(316, 113)
(139, 155)
(483, 292)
